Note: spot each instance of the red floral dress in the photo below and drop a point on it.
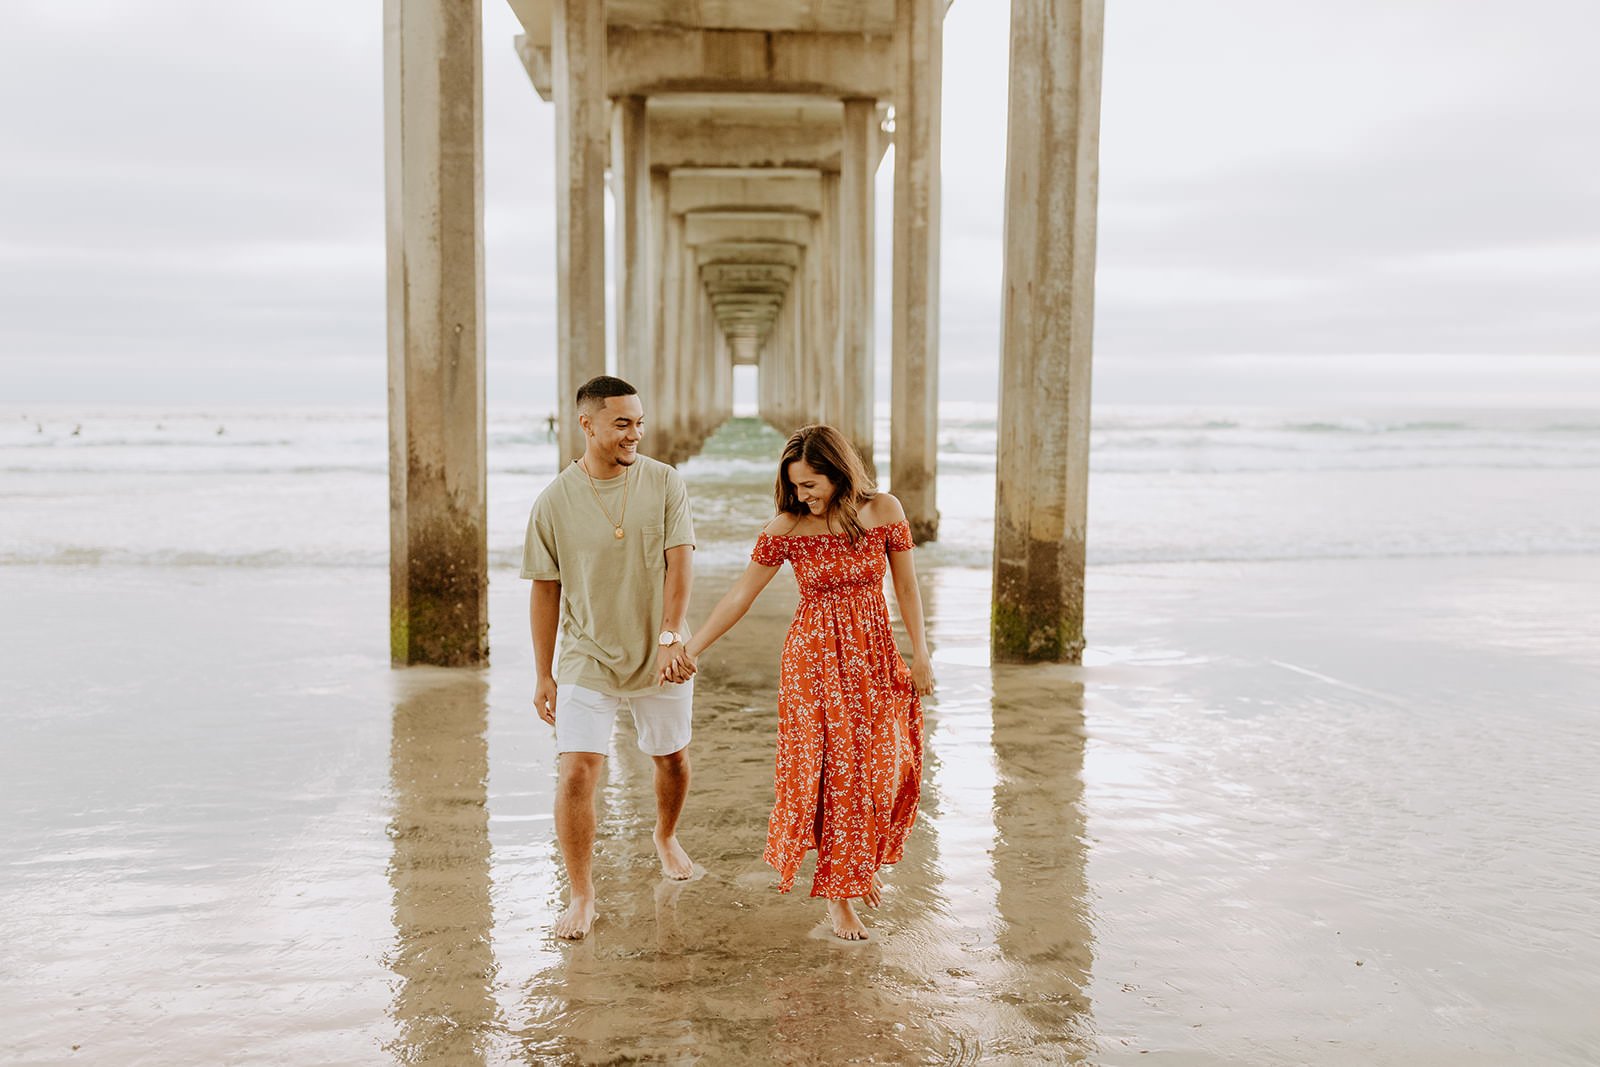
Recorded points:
(848, 715)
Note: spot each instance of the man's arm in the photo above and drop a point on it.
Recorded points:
(544, 615)
(675, 599)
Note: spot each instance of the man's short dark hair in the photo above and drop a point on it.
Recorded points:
(595, 391)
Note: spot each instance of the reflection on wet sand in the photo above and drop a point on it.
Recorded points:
(1039, 854)
(981, 946)
(444, 1006)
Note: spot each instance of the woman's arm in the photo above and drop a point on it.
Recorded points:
(730, 609)
(907, 594)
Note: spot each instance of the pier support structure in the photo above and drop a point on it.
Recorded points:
(741, 138)
(433, 170)
(854, 226)
(1042, 473)
(914, 427)
(578, 65)
(631, 193)
(769, 107)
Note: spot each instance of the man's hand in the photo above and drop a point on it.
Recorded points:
(544, 700)
(675, 665)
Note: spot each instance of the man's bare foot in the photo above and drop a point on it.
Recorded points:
(846, 924)
(874, 895)
(574, 923)
(675, 862)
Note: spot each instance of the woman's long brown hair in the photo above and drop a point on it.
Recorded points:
(827, 452)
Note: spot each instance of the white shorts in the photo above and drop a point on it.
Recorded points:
(584, 719)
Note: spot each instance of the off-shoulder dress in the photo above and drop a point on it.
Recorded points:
(849, 717)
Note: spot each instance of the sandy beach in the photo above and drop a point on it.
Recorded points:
(1332, 812)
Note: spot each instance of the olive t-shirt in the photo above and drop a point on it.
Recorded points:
(611, 588)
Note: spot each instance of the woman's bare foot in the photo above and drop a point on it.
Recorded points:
(874, 894)
(846, 924)
(675, 862)
(574, 923)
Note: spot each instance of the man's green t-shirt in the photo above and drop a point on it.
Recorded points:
(611, 589)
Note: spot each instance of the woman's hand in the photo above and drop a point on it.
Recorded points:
(680, 668)
(922, 675)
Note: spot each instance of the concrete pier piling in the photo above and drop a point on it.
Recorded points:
(1042, 473)
(438, 548)
(914, 403)
(578, 62)
(858, 160)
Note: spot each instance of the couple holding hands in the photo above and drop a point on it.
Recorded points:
(609, 550)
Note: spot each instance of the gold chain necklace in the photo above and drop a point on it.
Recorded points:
(616, 524)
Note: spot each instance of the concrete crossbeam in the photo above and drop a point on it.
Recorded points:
(748, 190)
(649, 61)
(838, 16)
(713, 227)
(734, 273)
(755, 252)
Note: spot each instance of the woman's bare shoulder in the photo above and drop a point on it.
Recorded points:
(882, 510)
(781, 524)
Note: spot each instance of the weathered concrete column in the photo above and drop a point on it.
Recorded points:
(822, 349)
(433, 170)
(858, 162)
(688, 298)
(914, 405)
(783, 363)
(578, 58)
(630, 177)
(1047, 329)
(666, 232)
(827, 296)
(710, 399)
(700, 363)
(724, 376)
(801, 365)
(764, 377)
(661, 405)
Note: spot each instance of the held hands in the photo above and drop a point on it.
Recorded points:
(922, 675)
(676, 665)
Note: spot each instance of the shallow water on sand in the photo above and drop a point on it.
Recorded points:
(1314, 812)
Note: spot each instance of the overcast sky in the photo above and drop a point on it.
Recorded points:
(1316, 201)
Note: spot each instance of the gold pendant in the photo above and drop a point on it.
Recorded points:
(618, 532)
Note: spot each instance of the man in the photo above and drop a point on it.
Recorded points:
(609, 550)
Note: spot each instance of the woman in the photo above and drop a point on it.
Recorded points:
(849, 766)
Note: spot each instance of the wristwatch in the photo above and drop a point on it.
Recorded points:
(669, 638)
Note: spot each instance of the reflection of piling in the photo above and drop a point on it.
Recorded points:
(1040, 853)
(444, 1003)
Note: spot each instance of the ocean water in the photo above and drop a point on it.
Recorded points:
(235, 488)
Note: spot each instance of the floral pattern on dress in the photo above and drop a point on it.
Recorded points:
(849, 716)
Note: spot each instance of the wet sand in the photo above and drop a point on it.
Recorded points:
(1313, 812)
